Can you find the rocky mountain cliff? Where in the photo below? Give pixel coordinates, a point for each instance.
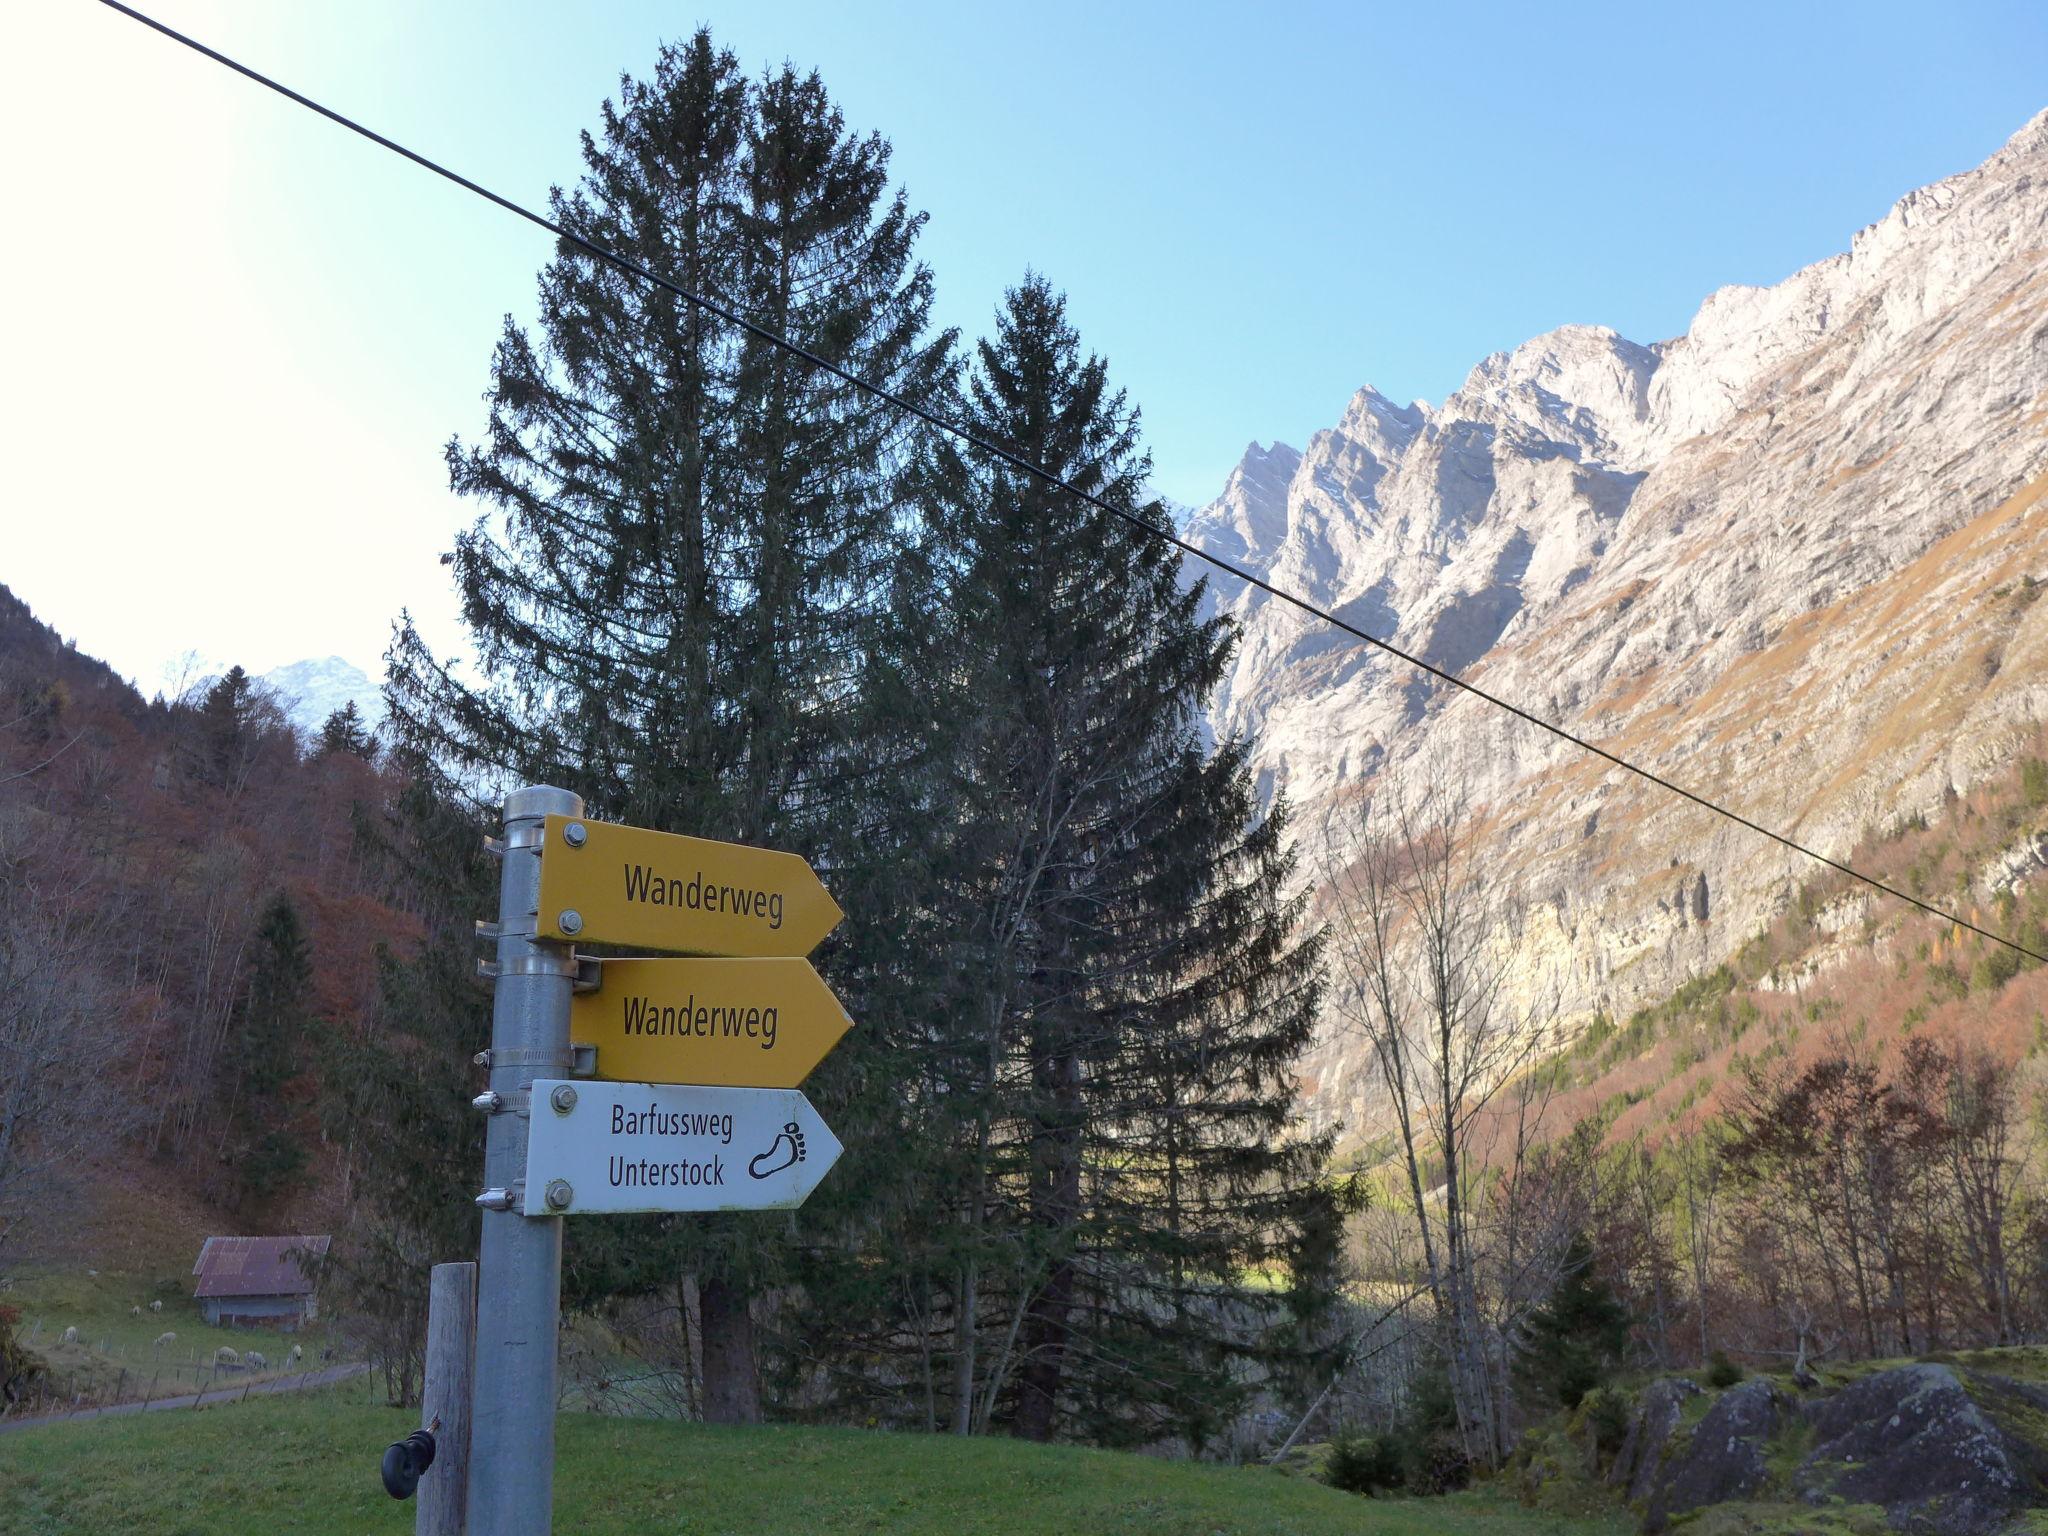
(1787, 560)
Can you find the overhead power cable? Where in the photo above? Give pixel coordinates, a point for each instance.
(1045, 476)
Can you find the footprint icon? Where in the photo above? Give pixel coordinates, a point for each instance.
(788, 1149)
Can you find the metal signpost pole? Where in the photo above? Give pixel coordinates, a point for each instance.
(512, 1435)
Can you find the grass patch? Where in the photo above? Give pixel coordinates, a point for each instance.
(1755, 1519)
(309, 1464)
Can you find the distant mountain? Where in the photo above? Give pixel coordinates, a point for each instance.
(310, 691)
(1787, 559)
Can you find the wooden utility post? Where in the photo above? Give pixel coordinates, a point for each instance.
(444, 1399)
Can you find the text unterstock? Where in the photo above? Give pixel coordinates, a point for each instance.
(662, 1126)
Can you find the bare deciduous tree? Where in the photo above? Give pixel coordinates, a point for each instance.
(1421, 973)
(60, 1028)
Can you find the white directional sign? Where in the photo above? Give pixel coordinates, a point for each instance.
(605, 1148)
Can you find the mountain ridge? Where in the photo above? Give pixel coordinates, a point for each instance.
(1646, 544)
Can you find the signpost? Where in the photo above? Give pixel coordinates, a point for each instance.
(602, 883)
(737, 1034)
(737, 1023)
(609, 1148)
(519, 1260)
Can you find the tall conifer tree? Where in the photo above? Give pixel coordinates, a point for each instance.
(688, 534)
(1134, 985)
(274, 1036)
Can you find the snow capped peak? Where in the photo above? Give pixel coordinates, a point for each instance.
(312, 690)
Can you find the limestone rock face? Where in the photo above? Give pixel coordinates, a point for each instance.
(1782, 560)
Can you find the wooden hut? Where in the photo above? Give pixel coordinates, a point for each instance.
(258, 1282)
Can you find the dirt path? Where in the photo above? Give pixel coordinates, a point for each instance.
(305, 1380)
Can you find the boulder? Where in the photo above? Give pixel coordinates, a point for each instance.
(1724, 1459)
(1917, 1441)
(1641, 1456)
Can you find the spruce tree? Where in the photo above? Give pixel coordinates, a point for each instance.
(688, 535)
(236, 725)
(1133, 982)
(273, 1039)
(1576, 1339)
(343, 731)
(397, 1100)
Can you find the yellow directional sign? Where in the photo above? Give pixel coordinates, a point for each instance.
(725, 1023)
(602, 883)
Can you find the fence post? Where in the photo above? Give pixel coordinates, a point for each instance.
(444, 1399)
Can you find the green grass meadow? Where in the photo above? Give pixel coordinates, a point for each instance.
(308, 1462)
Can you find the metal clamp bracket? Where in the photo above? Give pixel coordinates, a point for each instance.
(543, 1060)
(526, 834)
(563, 964)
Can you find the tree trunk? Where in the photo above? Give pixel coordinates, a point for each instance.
(1056, 1205)
(1045, 1348)
(732, 1380)
(964, 1324)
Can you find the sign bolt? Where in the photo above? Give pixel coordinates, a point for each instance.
(575, 834)
(571, 920)
(559, 1194)
(489, 1103)
(564, 1100)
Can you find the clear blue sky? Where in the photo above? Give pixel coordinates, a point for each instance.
(245, 336)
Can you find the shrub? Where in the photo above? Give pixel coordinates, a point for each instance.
(2034, 781)
(1604, 1412)
(1722, 1373)
(1994, 969)
(1945, 982)
(1433, 1457)
(1364, 1463)
(21, 1373)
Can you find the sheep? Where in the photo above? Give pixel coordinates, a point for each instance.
(70, 1336)
(254, 1360)
(294, 1357)
(135, 1311)
(156, 1306)
(164, 1338)
(226, 1356)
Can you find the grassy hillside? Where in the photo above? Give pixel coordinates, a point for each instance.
(116, 1357)
(308, 1464)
